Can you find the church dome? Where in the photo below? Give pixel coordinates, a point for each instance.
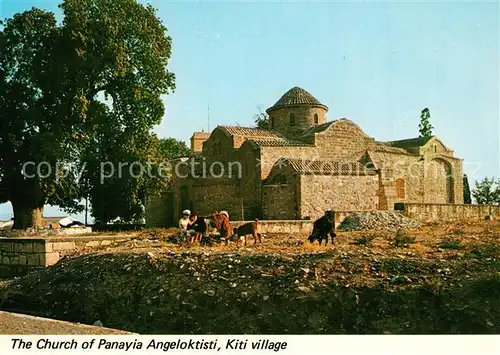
(296, 111)
(297, 97)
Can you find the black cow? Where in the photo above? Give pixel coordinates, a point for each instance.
(323, 227)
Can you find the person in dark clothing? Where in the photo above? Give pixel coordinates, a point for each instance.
(198, 226)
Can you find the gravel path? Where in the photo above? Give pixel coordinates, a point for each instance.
(13, 323)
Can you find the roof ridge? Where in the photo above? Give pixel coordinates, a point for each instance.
(246, 127)
(317, 129)
(280, 142)
(318, 166)
(251, 131)
(410, 139)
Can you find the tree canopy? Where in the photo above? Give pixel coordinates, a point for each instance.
(76, 95)
(425, 127)
(467, 194)
(487, 191)
(261, 119)
(172, 148)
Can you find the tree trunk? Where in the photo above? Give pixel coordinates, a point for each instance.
(27, 217)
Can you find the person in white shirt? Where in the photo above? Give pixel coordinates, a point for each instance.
(184, 221)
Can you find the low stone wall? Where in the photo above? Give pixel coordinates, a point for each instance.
(20, 255)
(281, 226)
(292, 226)
(427, 212)
(8, 233)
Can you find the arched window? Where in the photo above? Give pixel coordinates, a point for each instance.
(271, 122)
(292, 120)
(184, 198)
(400, 188)
(316, 119)
(279, 179)
(435, 148)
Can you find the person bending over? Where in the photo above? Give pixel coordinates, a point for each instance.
(197, 227)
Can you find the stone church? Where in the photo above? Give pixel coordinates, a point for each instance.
(303, 165)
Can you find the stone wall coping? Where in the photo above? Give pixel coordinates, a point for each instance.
(270, 221)
(52, 239)
(292, 221)
(448, 204)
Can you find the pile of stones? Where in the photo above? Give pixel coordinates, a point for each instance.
(377, 220)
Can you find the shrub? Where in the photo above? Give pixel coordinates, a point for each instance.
(365, 240)
(403, 240)
(450, 243)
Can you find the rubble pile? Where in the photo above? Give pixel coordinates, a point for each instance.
(377, 220)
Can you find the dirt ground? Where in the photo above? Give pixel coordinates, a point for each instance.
(437, 279)
(27, 325)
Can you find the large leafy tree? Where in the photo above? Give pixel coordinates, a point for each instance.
(144, 170)
(118, 190)
(78, 94)
(172, 148)
(487, 191)
(425, 127)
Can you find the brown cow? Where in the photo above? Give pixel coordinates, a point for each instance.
(249, 228)
(222, 225)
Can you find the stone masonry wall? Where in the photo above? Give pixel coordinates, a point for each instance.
(281, 194)
(197, 141)
(303, 116)
(425, 180)
(320, 193)
(44, 232)
(438, 182)
(343, 140)
(270, 155)
(304, 227)
(19, 255)
(449, 212)
(443, 180)
(219, 194)
(279, 202)
(398, 166)
(250, 186)
(219, 147)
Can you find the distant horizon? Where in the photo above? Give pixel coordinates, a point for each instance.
(48, 213)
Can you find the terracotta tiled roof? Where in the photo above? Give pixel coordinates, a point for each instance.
(251, 132)
(327, 167)
(410, 143)
(296, 96)
(280, 143)
(318, 129)
(200, 135)
(385, 148)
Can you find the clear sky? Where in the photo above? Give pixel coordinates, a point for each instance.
(376, 63)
